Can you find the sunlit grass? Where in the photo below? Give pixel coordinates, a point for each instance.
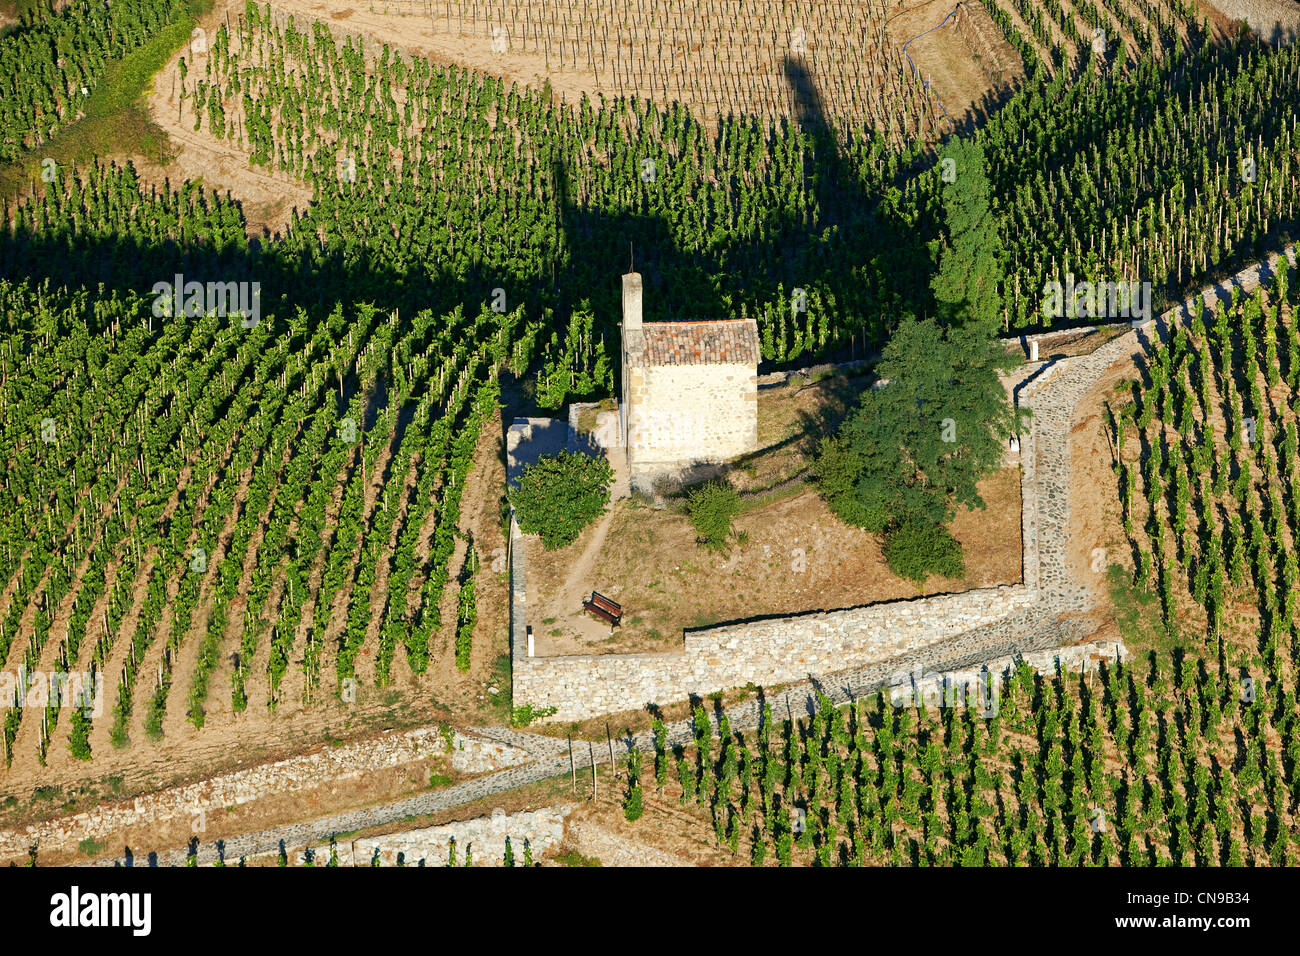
(116, 122)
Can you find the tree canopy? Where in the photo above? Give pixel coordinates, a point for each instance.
(919, 442)
(559, 495)
(968, 252)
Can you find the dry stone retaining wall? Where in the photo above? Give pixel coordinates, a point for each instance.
(485, 836)
(470, 755)
(959, 687)
(1021, 617)
(774, 651)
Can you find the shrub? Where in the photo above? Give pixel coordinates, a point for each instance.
(574, 858)
(559, 495)
(915, 550)
(712, 507)
(526, 714)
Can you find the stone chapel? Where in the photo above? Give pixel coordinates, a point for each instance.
(690, 392)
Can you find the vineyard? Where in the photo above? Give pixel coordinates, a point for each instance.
(1208, 452)
(1186, 755)
(173, 510)
(1151, 763)
(254, 513)
(720, 57)
(553, 180)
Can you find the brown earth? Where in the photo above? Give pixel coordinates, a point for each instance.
(795, 555)
(1096, 525)
(963, 59)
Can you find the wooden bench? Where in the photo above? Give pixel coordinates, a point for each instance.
(604, 608)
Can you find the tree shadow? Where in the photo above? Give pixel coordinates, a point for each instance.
(850, 247)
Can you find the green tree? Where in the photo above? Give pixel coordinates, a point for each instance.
(559, 495)
(712, 507)
(968, 253)
(918, 444)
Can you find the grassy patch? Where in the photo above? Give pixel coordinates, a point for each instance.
(1137, 612)
(527, 714)
(90, 847)
(437, 780)
(115, 121)
(574, 858)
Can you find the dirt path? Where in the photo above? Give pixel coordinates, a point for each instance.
(575, 585)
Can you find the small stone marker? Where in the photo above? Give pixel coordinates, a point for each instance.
(1033, 350)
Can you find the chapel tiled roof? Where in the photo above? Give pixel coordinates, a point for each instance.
(717, 342)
